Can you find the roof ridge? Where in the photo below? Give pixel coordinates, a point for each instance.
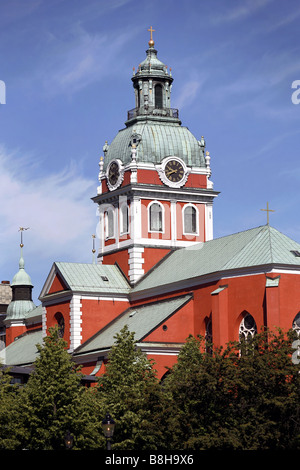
(270, 243)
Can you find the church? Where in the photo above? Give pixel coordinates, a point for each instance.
(158, 268)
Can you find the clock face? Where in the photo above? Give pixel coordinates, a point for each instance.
(113, 173)
(174, 171)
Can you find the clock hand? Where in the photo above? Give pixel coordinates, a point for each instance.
(170, 172)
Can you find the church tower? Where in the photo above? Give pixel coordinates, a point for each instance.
(155, 193)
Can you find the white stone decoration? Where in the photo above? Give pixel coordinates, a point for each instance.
(119, 181)
(161, 172)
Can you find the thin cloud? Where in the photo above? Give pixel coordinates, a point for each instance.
(56, 208)
(244, 10)
(188, 93)
(79, 59)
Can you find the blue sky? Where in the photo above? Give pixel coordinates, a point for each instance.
(67, 67)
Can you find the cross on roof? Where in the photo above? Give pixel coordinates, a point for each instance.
(151, 42)
(267, 210)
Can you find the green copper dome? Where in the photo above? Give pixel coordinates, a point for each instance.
(21, 302)
(18, 309)
(21, 278)
(155, 141)
(153, 126)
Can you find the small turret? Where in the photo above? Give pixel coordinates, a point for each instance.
(22, 287)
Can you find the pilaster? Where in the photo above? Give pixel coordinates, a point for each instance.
(75, 322)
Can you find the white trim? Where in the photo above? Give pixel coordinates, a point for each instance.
(149, 242)
(135, 219)
(75, 322)
(173, 221)
(106, 223)
(162, 215)
(44, 321)
(209, 235)
(99, 298)
(119, 181)
(196, 233)
(121, 218)
(135, 262)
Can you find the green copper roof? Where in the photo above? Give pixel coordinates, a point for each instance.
(18, 309)
(95, 278)
(155, 124)
(158, 140)
(23, 351)
(252, 248)
(140, 320)
(21, 278)
(152, 66)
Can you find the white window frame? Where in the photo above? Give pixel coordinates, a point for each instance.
(121, 218)
(108, 211)
(247, 332)
(162, 215)
(196, 233)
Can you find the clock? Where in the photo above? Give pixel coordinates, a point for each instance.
(174, 171)
(114, 175)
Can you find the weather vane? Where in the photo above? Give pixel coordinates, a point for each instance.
(267, 210)
(21, 229)
(93, 250)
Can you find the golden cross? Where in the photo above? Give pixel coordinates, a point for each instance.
(151, 31)
(267, 210)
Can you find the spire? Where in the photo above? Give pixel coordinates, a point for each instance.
(152, 84)
(22, 286)
(21, 278)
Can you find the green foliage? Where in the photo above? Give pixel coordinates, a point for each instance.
(54, 402)
(130, 392)
(244, 397)
(11, 425)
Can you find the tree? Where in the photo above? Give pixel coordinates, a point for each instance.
(201, 390)
(55, 402)
(130, 392)
(246, 396)
(268, 393)
(11, 426)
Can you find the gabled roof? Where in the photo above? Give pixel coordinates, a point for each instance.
(23, 351)
(256, 247)
(89, 278)
(141, 320)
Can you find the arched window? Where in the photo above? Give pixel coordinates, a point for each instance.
(248, 328)
(190, 220)
(208, 337)
(109, 223)
(296, 324)
(155, 217)
(61, 324)
(158, 96)
(124, 218)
